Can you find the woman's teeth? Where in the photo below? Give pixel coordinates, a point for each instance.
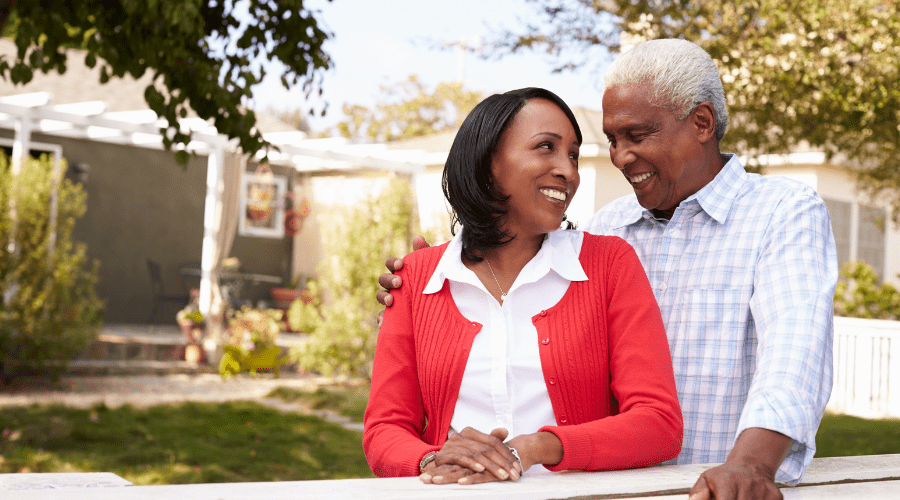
(556, 195)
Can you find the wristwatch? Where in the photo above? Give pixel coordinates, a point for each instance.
(427, 459)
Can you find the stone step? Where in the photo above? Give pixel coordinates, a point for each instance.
(136, 367)
(145, 349)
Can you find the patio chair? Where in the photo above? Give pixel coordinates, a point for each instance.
(159, 296)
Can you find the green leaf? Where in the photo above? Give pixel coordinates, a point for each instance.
(182, 157)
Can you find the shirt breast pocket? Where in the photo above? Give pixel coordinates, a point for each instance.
(713, 331)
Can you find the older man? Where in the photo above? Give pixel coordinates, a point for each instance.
(743, 268)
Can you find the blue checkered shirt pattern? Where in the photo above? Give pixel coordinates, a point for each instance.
(744, 274)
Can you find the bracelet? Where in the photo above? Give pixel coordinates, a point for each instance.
(516, 454)
(427, 459)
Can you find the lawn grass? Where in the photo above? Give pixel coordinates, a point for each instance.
(243, 441)
(838, 436)
(844, 436)
(349, 401)
(189, 443)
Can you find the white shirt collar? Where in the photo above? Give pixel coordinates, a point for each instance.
(558, 253)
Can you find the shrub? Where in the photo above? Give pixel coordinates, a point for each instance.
(302, 315)
(859, 295)
(49, 311)
(361, 239)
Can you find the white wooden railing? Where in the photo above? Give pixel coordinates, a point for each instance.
(866, 368)
(839, 478)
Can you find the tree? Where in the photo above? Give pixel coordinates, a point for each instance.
(407, 109)
(49, 310)
(204, 54)
(802, 71)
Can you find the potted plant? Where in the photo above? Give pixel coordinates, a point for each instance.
(192, 324)
(286, 296)
(259, 202)
(251, 342)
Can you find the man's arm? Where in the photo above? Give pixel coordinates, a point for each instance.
(792, 312)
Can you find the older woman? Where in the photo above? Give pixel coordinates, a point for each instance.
(517, 346)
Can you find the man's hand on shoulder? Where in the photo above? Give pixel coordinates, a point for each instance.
(749, 471)
(390, 281)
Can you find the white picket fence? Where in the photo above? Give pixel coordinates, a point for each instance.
(866, 368)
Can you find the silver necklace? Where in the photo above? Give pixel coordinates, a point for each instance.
(502, 293)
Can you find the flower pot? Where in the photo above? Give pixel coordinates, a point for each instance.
(193, 332)
(288, 295)
(260, 212)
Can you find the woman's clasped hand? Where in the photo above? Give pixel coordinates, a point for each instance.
(471, 457)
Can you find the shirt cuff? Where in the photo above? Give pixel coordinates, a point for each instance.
(778, 411)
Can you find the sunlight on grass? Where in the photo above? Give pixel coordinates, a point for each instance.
(844, 436)
(189, 443)
(349, 401)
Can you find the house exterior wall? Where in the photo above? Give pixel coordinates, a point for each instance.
(856, 219)
(610, 184)
(328, 194)
(142, 205)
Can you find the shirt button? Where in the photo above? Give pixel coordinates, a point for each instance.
(552, 381)
(543, 313)
(673, 232)
(545, 341)
(662, 286)
(563, 419)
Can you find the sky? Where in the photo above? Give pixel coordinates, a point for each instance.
(379, 42)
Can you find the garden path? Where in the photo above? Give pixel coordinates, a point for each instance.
(150, 390)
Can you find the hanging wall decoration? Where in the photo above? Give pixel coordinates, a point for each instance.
(262, 209)
(261, 195)
(294, 216)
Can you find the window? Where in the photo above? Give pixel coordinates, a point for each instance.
(841, 213)
(35, 149)
(871, 237)
(859, 233)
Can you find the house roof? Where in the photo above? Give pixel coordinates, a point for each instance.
(79, 83)
(594, 142)
(82, 84)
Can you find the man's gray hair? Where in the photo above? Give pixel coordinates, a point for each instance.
(680, 74)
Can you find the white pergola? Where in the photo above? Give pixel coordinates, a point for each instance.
(34, 113)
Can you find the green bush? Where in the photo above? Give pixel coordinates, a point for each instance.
(304, 316)
(859, 295)
(49, 310)
(357, 245)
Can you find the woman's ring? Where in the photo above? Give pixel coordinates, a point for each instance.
(516, 454)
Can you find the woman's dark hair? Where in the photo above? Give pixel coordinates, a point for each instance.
(467, 179)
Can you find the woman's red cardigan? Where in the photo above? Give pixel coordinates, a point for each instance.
(604, 355)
